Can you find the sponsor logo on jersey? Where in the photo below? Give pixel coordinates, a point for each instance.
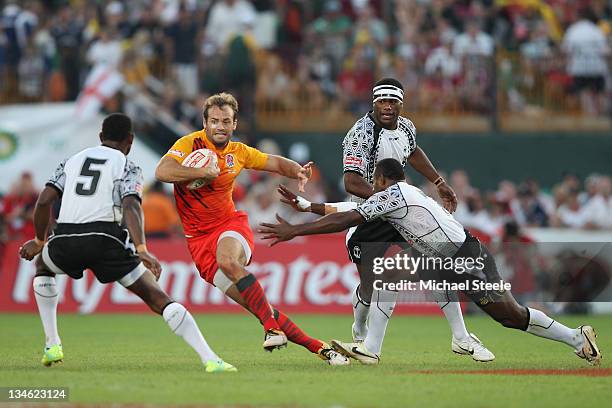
(229, 160)
(176, 152)
(352, 161)
(8, 144)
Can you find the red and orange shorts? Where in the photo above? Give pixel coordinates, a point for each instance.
(203, 248)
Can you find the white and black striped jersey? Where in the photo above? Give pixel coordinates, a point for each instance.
(366, 144)
(423, 223)
(93, 183)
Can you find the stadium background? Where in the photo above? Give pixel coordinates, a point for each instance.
(492, 86)
(493, 93)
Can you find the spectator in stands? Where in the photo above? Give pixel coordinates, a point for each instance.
(442, 73)
(137, 59)
(473, 42)
(67, 31)
(586, 48)
(275, 89)
(291, 29)
(591, 185)
(442, 59)
(530, 211)
(460, 182)
(370, 26)
(239, 73)
(544, 199)
(539, 45)
(316, 77)
(18, 207)
(228, 18)
(9, 38)
(569, 214)
(168, 10)
(355, 83)
(477, 217)
(475, 49)
(116, 20)
(161, 219)
(506, 198)
(106, 50)
(331, 33)
(520, 262)
(598, 210)
(31, 72)
(183, 39)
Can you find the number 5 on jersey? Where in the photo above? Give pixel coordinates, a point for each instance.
(94, 175)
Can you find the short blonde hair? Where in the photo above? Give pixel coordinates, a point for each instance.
(220, 100)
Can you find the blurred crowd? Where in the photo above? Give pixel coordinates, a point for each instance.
(491, 215)
(571, 203)
(452, 56)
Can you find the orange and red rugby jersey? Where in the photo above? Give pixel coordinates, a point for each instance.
(208, 207)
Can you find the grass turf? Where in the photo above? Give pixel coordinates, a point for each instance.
(135, 359)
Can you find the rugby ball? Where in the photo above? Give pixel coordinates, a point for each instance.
(200, 158)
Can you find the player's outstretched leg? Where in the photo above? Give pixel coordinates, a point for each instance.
(180, 321)
(231, 259)
(512, 315)
(46, 294)
(294, 334)
(462, 342)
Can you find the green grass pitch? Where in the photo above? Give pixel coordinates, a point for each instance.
(135, 359)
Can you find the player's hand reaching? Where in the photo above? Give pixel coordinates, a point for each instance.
(448, 196)
(282, 231)
(30, 249)
(150, 261)
(296, 202)
(304, 175)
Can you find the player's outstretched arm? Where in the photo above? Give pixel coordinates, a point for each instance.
(42, 215)
(283, 231)
(171, 171)
(134, 220)
(421, 163)
(288, 168)
(302, 205)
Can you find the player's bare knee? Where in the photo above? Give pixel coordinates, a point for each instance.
(231, 268)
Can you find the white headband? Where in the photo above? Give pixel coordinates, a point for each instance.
(388, 92)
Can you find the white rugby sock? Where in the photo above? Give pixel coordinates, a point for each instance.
(543, 326)
(360, 314)
(381, 309)
(452, 311)
(45, 292)
(182, 323)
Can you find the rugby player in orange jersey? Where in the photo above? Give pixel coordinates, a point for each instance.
(218, 237)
